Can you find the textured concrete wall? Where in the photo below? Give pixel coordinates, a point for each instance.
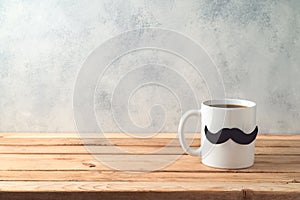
(43, 44)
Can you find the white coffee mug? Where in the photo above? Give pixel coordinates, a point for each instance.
(228, 130)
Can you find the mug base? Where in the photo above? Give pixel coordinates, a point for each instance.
(227, 167)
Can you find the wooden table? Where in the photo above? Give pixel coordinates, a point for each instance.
(58, 166)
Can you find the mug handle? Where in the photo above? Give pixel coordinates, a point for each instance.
(184, 145)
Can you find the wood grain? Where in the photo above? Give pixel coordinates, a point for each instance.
(173, 150)
(188, 163)
(58, 166)
(165, 186)
(99, 175)
(59, 140)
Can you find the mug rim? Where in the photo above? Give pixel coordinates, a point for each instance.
(242, 102)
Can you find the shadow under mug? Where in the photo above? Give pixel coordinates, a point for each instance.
(228, 133)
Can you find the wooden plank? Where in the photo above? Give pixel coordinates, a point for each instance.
(165, 186)
(128, 142)
(53, 166)
(90, 135)
(277, 143)
(280, 137)
(84, 195)
(263, 163)
(97, 175)
(174, 150)
(227, 195)
(96, 150)
(142, 195)
(277, 150)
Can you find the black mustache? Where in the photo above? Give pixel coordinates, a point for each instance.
(235, 134)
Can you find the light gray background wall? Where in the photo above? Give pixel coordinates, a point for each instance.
(255, 44)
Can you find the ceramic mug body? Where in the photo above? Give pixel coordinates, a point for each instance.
(227, 134)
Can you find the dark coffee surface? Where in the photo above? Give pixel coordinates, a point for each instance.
(228, 106)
